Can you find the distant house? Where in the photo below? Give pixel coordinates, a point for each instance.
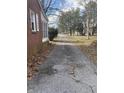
(37, 26)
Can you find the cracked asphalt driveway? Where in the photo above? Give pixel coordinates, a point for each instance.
(67, 70)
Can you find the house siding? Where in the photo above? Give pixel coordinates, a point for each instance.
(34, 39)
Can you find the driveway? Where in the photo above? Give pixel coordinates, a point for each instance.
(67, 70)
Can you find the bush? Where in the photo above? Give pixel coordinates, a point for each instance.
(52, 33)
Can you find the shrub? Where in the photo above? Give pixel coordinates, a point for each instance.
(52, 33)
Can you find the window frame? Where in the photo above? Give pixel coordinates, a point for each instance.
(33, 20)
(37, 21)
(44, 29)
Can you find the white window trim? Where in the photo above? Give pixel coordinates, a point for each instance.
(37, 21)
(32, 19)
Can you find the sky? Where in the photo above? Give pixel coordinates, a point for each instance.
(64, 6)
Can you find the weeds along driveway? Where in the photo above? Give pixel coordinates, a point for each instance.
(66, 70)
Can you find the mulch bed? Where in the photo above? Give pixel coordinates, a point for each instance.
(34, 62)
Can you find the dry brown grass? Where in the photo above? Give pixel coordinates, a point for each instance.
(90, 51)
(78, 40)
(89, 48)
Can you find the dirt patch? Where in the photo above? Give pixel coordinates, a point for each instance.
(90, 51)
(36, 60)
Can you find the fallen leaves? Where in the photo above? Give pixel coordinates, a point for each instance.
(36, 60)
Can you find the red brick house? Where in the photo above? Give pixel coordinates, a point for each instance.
(37, 26)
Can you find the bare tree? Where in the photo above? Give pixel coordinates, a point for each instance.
(48, 5)
(88, 5)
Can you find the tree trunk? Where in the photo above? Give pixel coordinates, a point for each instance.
(87, 29)
(70, 32)
(73, 32)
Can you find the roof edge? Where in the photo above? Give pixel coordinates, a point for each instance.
(42, 10)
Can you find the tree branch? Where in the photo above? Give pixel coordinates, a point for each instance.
(48, 6)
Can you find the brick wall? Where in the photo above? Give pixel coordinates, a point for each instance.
(34, 39)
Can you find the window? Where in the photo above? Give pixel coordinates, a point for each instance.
(44, 28)
(45, 31)
(37, 22)
(32, 18)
